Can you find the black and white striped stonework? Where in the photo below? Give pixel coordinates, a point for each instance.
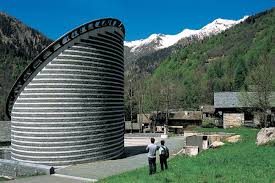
(71, 110)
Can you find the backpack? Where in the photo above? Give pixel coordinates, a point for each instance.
(165, 152)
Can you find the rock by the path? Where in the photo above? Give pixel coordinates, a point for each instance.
(8, 177)
(216, 144)
(191, 150)
(265, 135)
(233, 139)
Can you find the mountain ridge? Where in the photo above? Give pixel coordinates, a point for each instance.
(165, 41)
(144, 56)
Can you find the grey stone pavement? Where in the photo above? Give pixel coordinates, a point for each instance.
(135, 157)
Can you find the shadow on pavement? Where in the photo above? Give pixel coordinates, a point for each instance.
(133, 150)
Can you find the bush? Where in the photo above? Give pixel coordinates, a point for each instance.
(208, 123)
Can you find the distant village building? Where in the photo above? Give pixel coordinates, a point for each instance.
(144, 121)
(177, 121)
(132, 127)
(208, 111)
(235, 113)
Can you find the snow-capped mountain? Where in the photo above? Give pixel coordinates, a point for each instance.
(160, 41)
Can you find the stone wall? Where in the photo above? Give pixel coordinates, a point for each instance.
(128, 126)
(5, 132)
(233, 120)
(17, 169)
(257, 119)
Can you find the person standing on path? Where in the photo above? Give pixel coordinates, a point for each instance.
(163, 155)
(152, 148)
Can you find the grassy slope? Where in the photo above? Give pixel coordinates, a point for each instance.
(240, 162)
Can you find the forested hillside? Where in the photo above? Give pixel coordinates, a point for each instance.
(189, 77)
(19, 44)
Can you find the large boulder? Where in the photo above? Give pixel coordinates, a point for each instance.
(233, 139)
(265, 135)
(216, 144)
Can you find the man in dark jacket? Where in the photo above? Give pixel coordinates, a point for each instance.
(163, 155)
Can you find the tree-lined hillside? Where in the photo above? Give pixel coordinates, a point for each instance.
(220, 63)
(19, 44)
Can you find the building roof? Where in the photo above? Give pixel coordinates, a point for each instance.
(186, 115)
(207, 109)
(233, 100)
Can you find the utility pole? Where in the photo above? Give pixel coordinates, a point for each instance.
(167, 112)
(140, 111)
(131, 110)
(165, 134)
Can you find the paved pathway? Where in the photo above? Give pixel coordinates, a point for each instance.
(135, 158)
(46, 179)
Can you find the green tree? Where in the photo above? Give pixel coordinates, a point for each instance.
(240, 74)
(260, 93)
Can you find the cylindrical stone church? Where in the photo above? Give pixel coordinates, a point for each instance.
(67, 106)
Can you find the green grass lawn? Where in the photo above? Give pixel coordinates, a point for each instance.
(3, 179)
(240, 162)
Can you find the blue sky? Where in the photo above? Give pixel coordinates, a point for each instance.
(140, 17)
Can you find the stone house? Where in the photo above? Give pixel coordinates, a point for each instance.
(181, 119)
(144, 121)
(234, 112)
(208, 111)
(129, 127)
(177, 120)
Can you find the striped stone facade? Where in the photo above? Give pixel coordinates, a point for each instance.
(71, 110)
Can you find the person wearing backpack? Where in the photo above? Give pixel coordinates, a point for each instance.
(163, 155)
